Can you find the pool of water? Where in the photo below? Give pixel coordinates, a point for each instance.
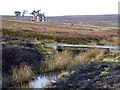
(43, 81)
(54, 46)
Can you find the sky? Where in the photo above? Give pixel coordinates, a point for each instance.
(60, 7)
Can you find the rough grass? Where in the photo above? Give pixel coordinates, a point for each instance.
(22, 73)
(91, 54)
(103, 72)
(84, 39)
(66, 59)
(68, 38)
(27, 34)
(57, 61)
(113, 41)
(61, 60)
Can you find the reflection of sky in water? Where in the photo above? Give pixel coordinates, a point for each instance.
(54, 46)
(42, 81)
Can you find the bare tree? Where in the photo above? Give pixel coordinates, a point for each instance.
(24, 12)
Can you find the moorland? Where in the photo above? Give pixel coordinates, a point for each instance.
(25, 55)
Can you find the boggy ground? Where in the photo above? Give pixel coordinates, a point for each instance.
(93, 76)
(15, 52)
(62, 33)
(24, 42)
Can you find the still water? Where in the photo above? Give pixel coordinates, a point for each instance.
(43, 81)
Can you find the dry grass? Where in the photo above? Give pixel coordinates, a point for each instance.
(92, 43)
(65, 59)
(58, 60)
(91, 54)
(78, 58)
(101, 55)
(22, 73)
(113, 41)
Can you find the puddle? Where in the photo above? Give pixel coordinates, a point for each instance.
(42, 81)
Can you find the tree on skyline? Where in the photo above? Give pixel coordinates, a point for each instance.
(24, 12)
(17, 13)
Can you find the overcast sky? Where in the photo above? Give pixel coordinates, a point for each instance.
(60, 7)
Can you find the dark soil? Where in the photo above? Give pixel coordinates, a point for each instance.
(15, 52)
(90, 77)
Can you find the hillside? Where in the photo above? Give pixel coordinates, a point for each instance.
(98, 20)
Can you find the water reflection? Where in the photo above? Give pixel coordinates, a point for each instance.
(42, 81)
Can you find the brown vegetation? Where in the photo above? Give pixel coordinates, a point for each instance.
(66, 60)
(53, 28)
(22, 73)
(46, 33)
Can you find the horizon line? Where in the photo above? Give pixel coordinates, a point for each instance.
(68, 15)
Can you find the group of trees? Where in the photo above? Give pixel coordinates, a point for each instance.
(18, 13)
(37, 15)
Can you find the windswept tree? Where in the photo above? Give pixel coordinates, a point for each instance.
(17, 13)
(38, 12)
(33, 13)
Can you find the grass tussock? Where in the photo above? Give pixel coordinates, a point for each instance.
(22, 73)
(65, 59)
(58, 60)
(92, 54)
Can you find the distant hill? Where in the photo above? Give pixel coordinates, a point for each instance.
(98, 20)
(8, 17)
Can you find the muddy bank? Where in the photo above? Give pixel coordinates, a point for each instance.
(93, 76)
(16, 51)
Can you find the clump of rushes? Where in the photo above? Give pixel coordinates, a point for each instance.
(22, 73)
